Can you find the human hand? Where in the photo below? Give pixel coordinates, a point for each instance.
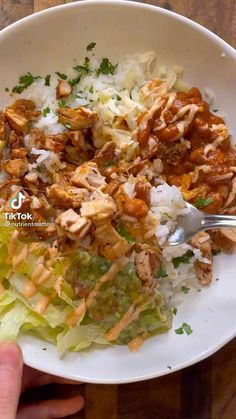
(13, 380)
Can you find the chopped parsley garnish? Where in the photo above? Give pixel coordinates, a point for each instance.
(118, 98)
(61, 103)
(187, 328)
(179, 331)
(182, 259)
(61, 75)
(184, 328)
(161, 273)
(74, 81)
(25, 81)
(45, 111)
(175, 311)
(90, 46)
(106, 67)
(185, 290)
(203, 202)
(83, 69)
(124, 233)
(91, 89)
(215, 110)
(6, 89)
(47, 80)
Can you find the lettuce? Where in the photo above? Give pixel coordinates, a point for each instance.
(80, 337)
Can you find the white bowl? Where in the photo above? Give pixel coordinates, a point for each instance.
(50, 40)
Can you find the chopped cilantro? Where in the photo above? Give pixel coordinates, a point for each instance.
(61, 75)
(184, 328)
(203, 202)
(124, 233)
(90, 46)
(187, 328)
(91, 89)
(182, 259)
(179, 331)
(118, 98)
(83, 69)
(161, 273)
(61, 103)
(215, 110)
(25, 81)
(47, 80)
(74, 81)
(45, 111)
(6, 89)
(175, 311)
(106, 67)
(185, 290)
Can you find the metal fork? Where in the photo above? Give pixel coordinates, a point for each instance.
(196, 221)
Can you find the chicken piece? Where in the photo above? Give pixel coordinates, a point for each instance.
(112, 187)
(18, 153)
(147, 263)
(143, 191)
(110, 244)
(202, 241)
(63, 89)
(135, 167)
(67, 196)
(99, 207)
(15, 141)
(106, 155)
(88, 176)
(73, 225)
(56, 142)
(37, 139)
(225, 239)
(20, 114)
(2, 127)
(78, 118)
(175, 153)
(5, 188)
(15, 167)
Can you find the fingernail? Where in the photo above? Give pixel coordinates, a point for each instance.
(10, 355)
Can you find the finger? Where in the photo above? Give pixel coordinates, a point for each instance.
(11, 365)
(51, 409)
(34, 378)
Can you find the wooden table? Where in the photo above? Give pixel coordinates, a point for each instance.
(206, 390)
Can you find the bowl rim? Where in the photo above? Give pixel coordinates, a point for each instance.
(226, 48)
(123, 3)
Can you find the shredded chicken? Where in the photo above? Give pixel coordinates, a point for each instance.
(107, 154)
(2, 127)
(67, 196)
(147, 264)
(110, 243)
(73, 225)
(202, 241)
(63, 89)
(20, 114)
(99, 207)
(88, 176)
(56, 142)
(18, 153)
(76, 118)
(225, 239)
(15, 167)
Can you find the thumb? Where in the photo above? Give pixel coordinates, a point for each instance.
(11, 365)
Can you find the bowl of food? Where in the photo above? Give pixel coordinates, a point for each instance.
(107, 128)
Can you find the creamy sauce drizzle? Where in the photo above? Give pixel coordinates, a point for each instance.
(30, 289)
(77, 314)
(13, 243)
(42, 304)
(40, 274)
(135, 344)
(131, 315)
(19, 259)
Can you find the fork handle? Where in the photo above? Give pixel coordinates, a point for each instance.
(218, 221)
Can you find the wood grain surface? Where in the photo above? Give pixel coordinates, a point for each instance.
(206, 390)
